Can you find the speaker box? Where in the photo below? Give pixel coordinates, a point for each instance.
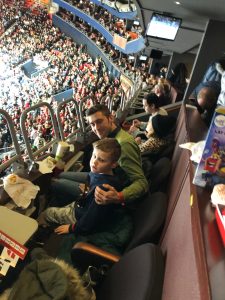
(157, 54)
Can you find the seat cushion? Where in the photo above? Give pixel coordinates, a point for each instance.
(137, 276)
(148, 219)
(159, 174)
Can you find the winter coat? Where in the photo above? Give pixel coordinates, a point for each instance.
(114, 239)
(47, 278)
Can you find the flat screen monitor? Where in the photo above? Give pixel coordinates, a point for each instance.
(143, 57)
(163, 27)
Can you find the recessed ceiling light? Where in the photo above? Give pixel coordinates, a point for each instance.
(177, 2)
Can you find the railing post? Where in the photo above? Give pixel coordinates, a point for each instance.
(60, 106)
(82, 114)
(25, 134)
(18, 156)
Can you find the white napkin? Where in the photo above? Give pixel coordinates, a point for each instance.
(47, 165)
(196, 150)
(21, 190)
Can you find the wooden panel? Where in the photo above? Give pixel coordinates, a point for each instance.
(176, 182)
(209, 249)
(180, 162)
(181, 277)
(186, 241)
(198, 241)
(181, 138)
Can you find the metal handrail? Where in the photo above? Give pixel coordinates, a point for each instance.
(18, 156)
(23, 117)
(61, 131)
(125, 99)
(108, 103)
(122, 100)
(111, 102)
(102, 101)
(168, 108)
(84, 129)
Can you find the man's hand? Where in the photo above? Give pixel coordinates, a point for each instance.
(62, 229)
(138, 140)
(136, 123)
(82, 187)
(106, 197)
(132, 129)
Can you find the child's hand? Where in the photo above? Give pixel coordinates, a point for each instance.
(82, 187)
(62, 229)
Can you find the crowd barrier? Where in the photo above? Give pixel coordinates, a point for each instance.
(31, 69)
(65, 95)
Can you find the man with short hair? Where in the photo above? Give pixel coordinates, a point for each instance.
(102, 124)
(206, 103)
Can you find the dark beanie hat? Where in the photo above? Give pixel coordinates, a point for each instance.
(163, 125)
(152, 98)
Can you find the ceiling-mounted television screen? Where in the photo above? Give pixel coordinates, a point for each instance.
(163, 27)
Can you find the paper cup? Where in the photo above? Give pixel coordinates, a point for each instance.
(62, 149)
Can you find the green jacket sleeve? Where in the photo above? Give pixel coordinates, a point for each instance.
(130, 161)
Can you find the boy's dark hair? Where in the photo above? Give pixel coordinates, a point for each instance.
(98, 108)
(109, 145)
(152, 98)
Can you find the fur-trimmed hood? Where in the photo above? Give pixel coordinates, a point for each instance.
(47, 278)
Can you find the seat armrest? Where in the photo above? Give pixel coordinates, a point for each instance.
(84, 255)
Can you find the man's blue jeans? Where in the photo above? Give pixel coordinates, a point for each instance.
(65, 189)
